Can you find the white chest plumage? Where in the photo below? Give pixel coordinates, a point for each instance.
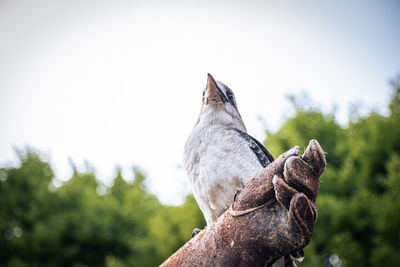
(218, 161)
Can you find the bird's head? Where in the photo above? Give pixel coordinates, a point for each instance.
(219, 106)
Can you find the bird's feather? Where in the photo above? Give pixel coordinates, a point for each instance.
(262, 154)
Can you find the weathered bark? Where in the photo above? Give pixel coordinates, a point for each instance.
(273, 216)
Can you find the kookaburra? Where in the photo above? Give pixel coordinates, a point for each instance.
(219, 155)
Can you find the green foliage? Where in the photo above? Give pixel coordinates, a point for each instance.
(359, 198)
(76, 224)
(83, 222)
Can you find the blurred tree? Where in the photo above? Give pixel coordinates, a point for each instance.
(24, 202)
(80, 224)
(359, 192)
(181, 222)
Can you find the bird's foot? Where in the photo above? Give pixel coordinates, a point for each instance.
(297, 255)
(195, 231)
(238, 190)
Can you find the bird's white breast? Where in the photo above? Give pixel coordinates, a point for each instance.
(217, 161)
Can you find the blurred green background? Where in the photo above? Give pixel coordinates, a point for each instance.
(84, 223)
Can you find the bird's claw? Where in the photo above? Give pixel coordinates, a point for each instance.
(297, 255)
(195, 231)
(238, 190)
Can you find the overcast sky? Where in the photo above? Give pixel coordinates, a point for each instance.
(120, 82)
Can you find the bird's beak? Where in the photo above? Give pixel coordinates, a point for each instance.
(214, 93)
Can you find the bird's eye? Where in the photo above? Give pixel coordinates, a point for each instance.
(229, 95)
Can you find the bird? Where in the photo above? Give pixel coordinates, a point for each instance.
(220, 157)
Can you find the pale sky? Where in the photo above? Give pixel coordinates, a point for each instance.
(120, 82)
